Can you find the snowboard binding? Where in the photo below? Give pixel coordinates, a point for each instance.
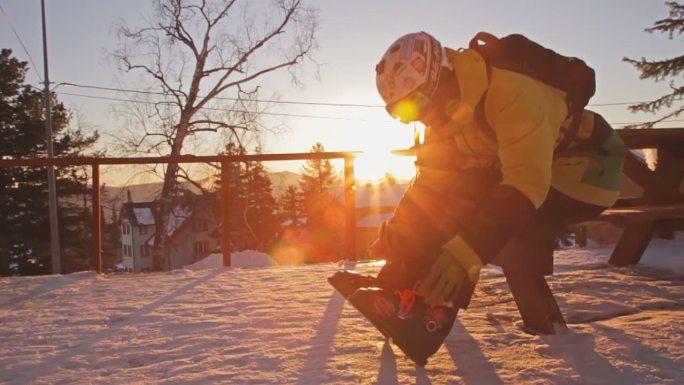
(416, 327)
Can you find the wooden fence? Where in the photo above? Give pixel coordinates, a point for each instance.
(224, 161)
(662, 185)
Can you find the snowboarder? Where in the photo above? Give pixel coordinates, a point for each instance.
(509, 159)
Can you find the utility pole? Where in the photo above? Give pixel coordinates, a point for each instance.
(52, 189)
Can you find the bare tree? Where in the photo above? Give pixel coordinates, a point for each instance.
(203, 61)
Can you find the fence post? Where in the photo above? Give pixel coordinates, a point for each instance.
(350, 207)
(96, 262)
(225, 212)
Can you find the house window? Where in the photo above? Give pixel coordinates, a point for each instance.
(144, 251)
(200, 247)
(142, 229)
(200, 226)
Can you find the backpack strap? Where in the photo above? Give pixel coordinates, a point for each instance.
(570, 132)
(481, 118)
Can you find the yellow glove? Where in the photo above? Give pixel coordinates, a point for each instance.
(443, 280)
(457, 264)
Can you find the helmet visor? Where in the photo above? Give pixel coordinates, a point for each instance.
(410, 108)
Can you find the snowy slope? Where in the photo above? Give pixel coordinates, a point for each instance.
(285, 325)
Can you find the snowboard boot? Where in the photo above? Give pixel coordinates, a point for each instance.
(418, 329)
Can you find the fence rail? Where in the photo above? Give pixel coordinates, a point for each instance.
(662, 138)
(224, 160)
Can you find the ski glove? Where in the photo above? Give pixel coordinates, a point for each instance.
(457, 265)
(443, 280)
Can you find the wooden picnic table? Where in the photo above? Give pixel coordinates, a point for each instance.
(661, 206)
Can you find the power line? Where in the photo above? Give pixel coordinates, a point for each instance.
(273, 113)
(23, 46)
(284, 114)
(326, 104)
(648, 121)
(226, 98)
(614, 104)
(205, 108)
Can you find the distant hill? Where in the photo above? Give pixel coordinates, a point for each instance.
(115, 196)
(281, 180)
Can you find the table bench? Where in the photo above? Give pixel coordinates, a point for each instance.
(660, 209)
(640, 224)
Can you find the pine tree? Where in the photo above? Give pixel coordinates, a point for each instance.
(291, 205)
(317, 174)
(660, 70)
(252, 205)
(236, 197)
(24, 221)
(260, 210)
(324, 214)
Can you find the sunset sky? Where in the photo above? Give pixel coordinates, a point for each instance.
(352, 37)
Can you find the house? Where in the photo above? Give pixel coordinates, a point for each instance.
(192, 230)
(374, 204)
(137, 225)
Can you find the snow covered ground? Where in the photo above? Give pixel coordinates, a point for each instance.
(285, 325)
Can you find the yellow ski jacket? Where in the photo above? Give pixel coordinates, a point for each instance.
(526, 121)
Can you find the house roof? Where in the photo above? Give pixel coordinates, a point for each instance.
(373, 220)
(296, 222)
(177, 217)
(139, 213)
(143, 215)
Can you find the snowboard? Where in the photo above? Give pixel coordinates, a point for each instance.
(417, 328)
(346, 282)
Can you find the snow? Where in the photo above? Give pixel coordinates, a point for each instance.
(246, 258)
(286, 325)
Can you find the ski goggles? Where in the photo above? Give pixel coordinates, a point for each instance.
(410, 108)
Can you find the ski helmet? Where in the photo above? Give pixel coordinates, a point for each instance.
(408, 74)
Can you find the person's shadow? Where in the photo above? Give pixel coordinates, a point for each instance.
(635, 349)
(387, 375)
(322, 342)
(473, 366)
(578, 351)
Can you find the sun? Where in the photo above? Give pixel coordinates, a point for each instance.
(378, 160)
(376, 165)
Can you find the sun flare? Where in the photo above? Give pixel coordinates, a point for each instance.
(374, 166)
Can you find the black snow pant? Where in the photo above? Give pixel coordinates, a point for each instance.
(525, 259)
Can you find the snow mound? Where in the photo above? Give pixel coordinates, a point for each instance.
(246, 258)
